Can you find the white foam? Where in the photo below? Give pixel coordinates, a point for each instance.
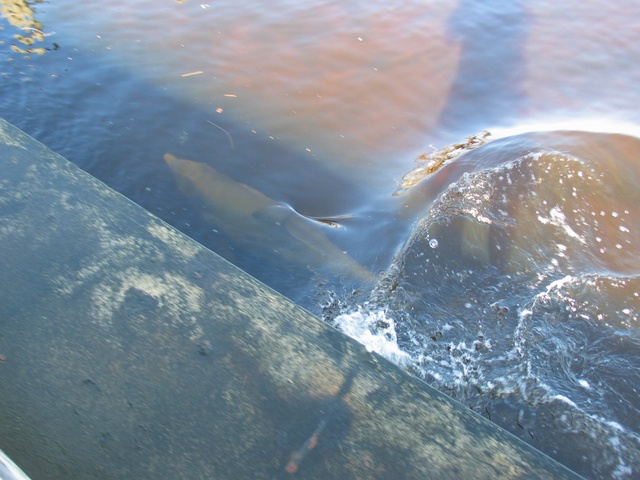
(564, 399)
(558, 284)
(375, 331)
(584, 384)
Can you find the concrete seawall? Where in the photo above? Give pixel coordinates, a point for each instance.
(130, 351)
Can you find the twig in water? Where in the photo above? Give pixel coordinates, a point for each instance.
(227, 133)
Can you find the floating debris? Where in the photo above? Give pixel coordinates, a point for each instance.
(430, 163)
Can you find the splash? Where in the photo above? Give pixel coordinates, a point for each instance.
(527, 310)
(376, 331)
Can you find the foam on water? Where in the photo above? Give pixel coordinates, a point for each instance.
(376, 331)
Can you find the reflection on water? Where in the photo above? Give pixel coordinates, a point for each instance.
(486, 89)
(346, 84)
(22, 15)
(321, 106)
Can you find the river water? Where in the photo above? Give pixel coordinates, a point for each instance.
(506, 268)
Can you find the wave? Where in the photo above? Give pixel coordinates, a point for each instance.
(518, 293)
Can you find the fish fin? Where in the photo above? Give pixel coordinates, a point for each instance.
(330, 221)
(308, 232)
(296, 225)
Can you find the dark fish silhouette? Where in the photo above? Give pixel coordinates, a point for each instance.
(244, 213)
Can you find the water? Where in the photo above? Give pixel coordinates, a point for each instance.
(508, 276)
(518, 294)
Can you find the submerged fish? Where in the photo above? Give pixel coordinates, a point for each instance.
(252, 217)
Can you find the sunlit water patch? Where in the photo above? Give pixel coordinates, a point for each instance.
(518, 293)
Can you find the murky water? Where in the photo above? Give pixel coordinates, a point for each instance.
(508, 276)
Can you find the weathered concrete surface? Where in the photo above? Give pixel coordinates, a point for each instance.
(130, 351)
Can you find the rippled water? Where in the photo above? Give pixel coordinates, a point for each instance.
(518, 294)
(508, 275)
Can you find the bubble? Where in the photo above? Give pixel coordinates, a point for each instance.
(433, 243)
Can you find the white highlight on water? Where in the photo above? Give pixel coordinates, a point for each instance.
(375, 331)
(596, 125)
(558, 219)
